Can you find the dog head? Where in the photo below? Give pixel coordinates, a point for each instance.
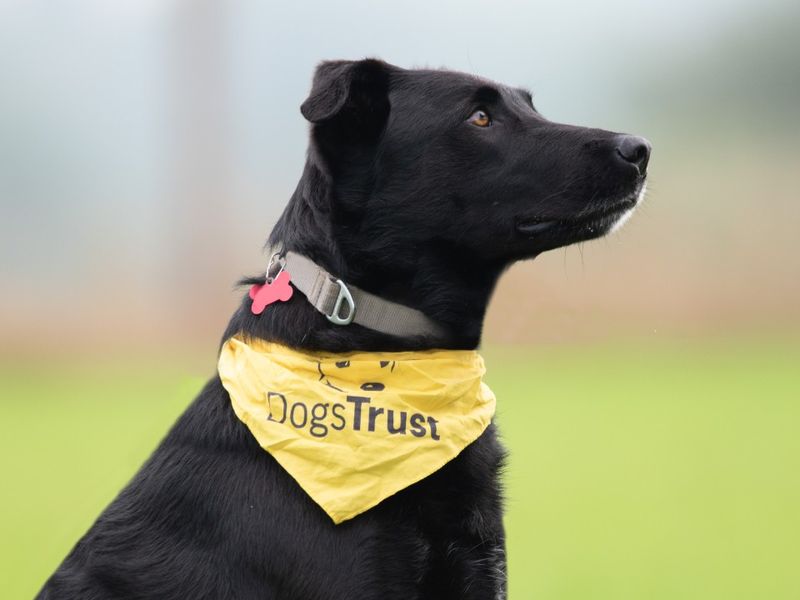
(422, 159)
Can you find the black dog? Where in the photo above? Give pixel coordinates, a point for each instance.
(421, 186)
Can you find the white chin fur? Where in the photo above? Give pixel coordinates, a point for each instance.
(623, 218)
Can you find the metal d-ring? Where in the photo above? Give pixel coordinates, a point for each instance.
(344, 296)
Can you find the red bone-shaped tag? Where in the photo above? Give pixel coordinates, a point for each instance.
(265, 294)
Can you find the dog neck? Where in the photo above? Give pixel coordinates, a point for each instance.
(445, 285)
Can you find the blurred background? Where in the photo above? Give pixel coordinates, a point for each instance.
(648, 383)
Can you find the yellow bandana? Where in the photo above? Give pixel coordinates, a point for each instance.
(353, 429)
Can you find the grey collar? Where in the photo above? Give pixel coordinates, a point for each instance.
(343, 303)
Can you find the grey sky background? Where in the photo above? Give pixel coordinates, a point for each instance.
(89, 145)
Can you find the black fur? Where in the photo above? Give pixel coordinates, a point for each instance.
(404, 197)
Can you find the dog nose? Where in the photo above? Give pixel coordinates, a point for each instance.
(635, 150)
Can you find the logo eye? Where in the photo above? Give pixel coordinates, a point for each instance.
(480, 118)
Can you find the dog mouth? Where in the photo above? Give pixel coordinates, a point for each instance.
(597, 222)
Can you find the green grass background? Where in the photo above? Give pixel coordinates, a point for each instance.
(636, 471)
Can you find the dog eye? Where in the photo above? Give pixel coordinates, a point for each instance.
(480, 118)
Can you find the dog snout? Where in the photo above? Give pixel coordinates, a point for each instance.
(635, 151)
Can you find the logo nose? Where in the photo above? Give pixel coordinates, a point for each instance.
(634, 150)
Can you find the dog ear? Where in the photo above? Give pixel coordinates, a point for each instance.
(342, 90)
